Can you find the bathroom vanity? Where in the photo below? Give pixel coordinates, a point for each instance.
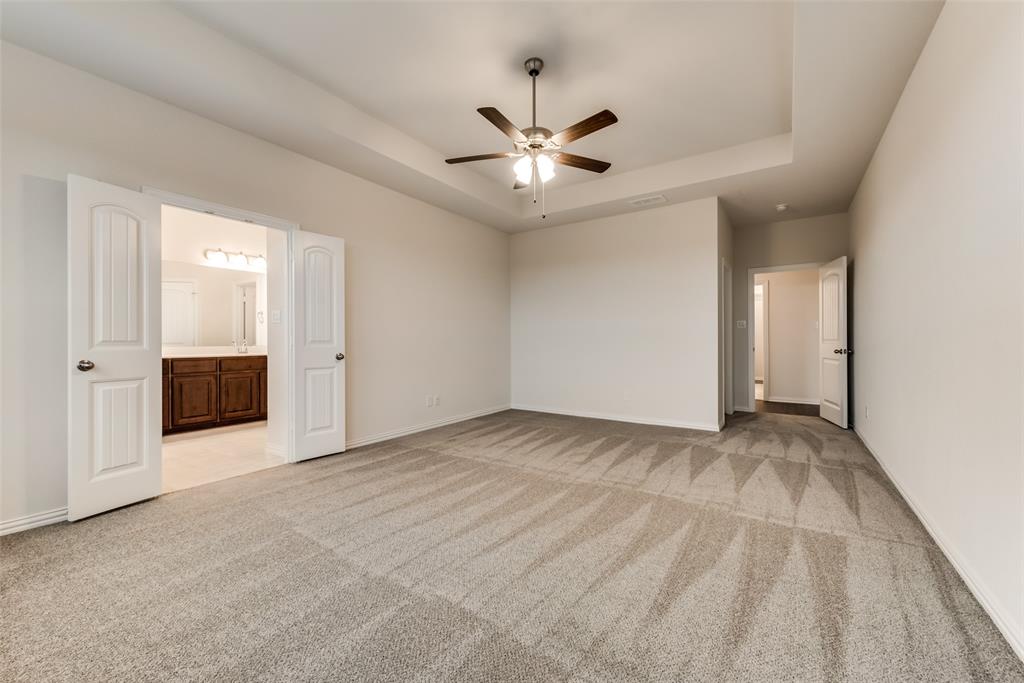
(204, 388)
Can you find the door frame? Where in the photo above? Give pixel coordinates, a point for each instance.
(238, 309)
(263, 220)
(751, 272)
(766, 351)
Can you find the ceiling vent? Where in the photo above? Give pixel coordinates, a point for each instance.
(648, 201)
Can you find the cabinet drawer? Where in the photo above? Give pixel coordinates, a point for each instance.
(240, 364)
(193, 366)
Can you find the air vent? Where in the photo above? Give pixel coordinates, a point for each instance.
(648, 201)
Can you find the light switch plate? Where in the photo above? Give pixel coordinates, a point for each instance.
(741, 324)
(275, 317)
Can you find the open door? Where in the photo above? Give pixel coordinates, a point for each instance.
(318, 411)
(833, 356)
(113, 346)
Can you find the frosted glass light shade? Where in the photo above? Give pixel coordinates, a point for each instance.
(545, 167)
(216, 257)
(524, 170)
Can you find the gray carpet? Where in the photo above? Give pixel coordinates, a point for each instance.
(515, 547)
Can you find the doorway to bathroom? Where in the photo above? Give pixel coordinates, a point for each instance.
(218, 295)
(119, 377)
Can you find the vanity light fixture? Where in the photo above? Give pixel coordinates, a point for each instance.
(218, 258)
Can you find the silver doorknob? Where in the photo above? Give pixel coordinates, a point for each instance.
(837, 350)
(339, 356)
(86, 365)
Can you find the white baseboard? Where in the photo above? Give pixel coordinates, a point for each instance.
(788, 399)
(960, 564)
(406, 431)
(710, 427)
(13, 526)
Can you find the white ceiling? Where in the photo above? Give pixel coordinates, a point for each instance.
(754, 102)
(663, 68)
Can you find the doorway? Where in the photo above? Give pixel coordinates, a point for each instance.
(784, 335)
(216, 355)
(118, 376)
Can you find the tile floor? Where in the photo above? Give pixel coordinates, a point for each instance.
(195, 458)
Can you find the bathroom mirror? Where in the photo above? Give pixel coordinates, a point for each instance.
(205, 306)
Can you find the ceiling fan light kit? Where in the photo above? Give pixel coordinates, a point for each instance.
(536, 147)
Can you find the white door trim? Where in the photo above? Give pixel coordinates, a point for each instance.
(234, 213)
(186, 202)
(751, 272)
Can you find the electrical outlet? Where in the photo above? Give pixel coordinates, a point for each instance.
(430, 401)
(437, 400)
(867, 413)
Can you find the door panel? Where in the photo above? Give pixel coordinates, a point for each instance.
(833, 356)
(319, 373)
(113, 346)
(178, 313)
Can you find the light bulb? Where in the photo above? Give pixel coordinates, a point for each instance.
(238, 260)
(216, 257)
(258, 262)
(545, 167)
(524, 170)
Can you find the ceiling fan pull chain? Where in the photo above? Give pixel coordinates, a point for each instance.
(543, 207)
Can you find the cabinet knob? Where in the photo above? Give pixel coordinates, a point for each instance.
(85, 365)
(339, 356)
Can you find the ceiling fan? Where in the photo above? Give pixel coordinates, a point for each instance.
(537, 148)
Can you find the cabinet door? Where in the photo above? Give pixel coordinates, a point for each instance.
(239, 395)
(165, 397)
(193, 400)
(263, 393)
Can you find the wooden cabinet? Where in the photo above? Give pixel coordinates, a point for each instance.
(239, 394)
(212, 392)
(193, 400)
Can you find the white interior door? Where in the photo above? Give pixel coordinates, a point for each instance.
(178, 313)
(114, 347)
(318, 419)
(833, 356)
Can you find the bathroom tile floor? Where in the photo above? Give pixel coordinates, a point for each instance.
(201, 457)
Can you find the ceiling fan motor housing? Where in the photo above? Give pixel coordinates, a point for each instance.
(533, 66)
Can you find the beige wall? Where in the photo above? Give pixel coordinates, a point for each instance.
(938, 320)
(806, 240)
(792, 324)
(617, 317)
(427, 292)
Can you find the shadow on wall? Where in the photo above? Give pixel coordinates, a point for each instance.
(34, 430)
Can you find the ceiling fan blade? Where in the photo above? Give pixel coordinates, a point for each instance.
(481, 157)
(587, 126)
(503, 124)
(518, 185)
(576, 161)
